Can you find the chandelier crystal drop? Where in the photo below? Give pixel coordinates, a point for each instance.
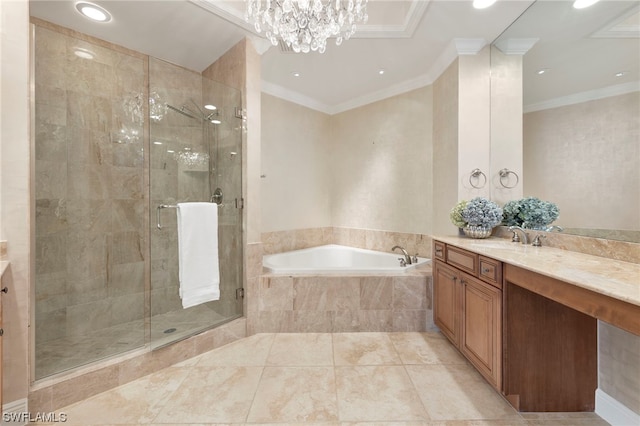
(305, 25)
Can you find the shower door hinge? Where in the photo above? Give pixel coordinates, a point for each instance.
(239, 293)
(239, 203)
(241, 112)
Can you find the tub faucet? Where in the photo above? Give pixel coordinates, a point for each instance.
(516, 238)
(407, 258)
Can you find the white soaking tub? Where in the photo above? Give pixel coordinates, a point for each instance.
(335, 258)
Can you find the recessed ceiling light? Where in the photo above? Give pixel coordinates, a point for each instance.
(581, 4)
(93, 11)
(170, 151)
(157, 143)
(542, 71)
(216, 121)
(381, 71)
(621, 73)
(210, 107)
(295, 74)
(482, 4)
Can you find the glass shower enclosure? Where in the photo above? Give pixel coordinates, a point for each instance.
(195, 157)
(115, 135)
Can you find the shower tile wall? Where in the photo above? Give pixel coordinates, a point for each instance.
(90, 202)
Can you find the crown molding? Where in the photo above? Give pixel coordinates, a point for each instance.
(591, 95)
(295, 97)
(440, 65)
(469, 46)
(306, 101)
(515, 46)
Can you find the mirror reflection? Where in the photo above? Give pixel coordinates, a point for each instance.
(581, 124)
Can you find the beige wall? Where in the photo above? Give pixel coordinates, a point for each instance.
(381, 164)
(445, 148)
(295, 187)
(474, 121)
(584, 157)
(370, 167)
(506, 126)
(15, 199)
(619, 365)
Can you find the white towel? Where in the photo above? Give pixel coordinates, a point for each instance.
(198, 264)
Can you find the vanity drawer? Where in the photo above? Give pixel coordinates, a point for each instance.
(491, 271)
(438, 250)
(463, 260)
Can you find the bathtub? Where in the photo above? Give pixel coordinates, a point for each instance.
(335, 258)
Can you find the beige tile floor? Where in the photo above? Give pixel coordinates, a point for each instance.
(316, 378)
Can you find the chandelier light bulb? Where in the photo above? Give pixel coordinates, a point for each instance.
(305, 25)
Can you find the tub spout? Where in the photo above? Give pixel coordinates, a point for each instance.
(407, 258)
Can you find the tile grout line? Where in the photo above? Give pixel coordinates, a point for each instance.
(264, 366)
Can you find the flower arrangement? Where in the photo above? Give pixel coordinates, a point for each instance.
(456, 214)
(477, 212)
(530, 213)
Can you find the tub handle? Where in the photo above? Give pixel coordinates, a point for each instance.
(403, 262)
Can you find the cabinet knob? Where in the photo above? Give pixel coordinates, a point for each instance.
(1, 332)
(5, 290)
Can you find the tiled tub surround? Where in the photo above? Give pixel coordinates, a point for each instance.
(345, 302)
(370, 239)
(341, 303)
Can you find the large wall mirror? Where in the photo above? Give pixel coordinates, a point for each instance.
(581, 123)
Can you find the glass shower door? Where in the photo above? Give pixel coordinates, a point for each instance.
(195, 157)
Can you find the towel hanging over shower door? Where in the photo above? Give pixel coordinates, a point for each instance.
(198, 263)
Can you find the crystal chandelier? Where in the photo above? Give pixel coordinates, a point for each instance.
(305, 25)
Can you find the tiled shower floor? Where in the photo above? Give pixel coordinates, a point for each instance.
(316, 378)
(70, 352)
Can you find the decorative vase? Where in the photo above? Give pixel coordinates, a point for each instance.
(477, 231)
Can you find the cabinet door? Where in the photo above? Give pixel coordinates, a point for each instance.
(446, 294)
(481, 328)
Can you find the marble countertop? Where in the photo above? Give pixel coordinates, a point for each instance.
(614, 278)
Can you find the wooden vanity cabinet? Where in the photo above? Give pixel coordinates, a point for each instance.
(468, 308)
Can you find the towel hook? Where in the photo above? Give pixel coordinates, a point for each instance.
(504, 173)
(476, 173)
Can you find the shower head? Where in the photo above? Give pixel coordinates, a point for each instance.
(184, 111)
(197, 107)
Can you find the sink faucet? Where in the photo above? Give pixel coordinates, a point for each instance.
(516, 238)
(407, 258)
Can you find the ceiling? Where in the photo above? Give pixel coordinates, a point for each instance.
(413, 41)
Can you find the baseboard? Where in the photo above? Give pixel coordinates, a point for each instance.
(13, 413)
(614, 412)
